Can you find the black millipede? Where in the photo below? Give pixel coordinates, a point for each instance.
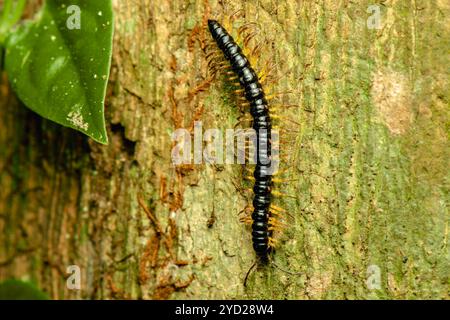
(259, 109)
(263, 217)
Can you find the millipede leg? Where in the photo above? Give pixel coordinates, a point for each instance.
(285, 131)
(236, 15)
(214, 54)
(275, 229)
(281, 194)
(246, 220)
(242, 29)
(243, 122)
(274, 222)
(282, 171)
(251, 178)
(272, 242)
(256, 51)
(285, 119)
(279, 211)
(276, 180)
(283, 106)
(249, 37)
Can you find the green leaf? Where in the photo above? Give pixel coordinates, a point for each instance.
(19, 290)
(59, 65)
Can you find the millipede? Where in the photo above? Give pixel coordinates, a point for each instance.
(259, 109)
(263, 220)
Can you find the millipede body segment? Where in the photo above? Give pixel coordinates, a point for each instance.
(255, 96)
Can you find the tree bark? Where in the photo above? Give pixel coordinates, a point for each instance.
(369, 170)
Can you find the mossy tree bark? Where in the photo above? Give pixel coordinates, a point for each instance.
(369, 170)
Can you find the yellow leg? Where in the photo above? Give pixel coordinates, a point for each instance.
(246, 220)
(273, 95)
(276, 208)
(272, 242)
(276, 180)
(275, 213)
(224, 65)
(281, 194)
(278, 106)
(279, 211)
(284, 131)
(285, 119)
